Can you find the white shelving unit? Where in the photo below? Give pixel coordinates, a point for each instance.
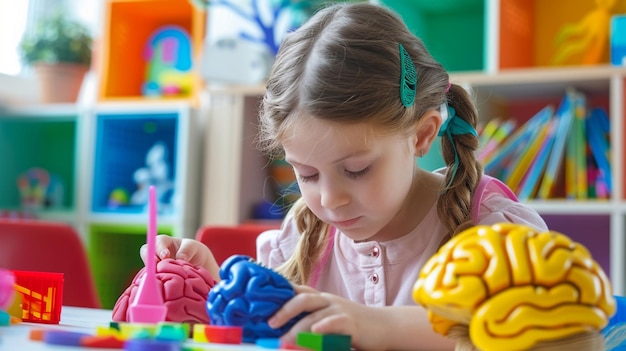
(597, 81)
(37, 137)
(184, 135)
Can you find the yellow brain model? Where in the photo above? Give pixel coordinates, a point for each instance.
(511, 285)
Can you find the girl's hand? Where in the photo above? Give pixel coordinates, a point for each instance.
(192, 251)
(332, 314)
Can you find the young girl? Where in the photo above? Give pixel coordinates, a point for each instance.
(353, 99)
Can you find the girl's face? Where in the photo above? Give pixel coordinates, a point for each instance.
(351, 177)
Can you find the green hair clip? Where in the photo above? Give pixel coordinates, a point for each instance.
(408, 78)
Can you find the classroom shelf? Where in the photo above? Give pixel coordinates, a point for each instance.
(518, 94)
(96, 149)
(524, 32)
(447, 29)
(129, 25)
(496, 35)
(43, 138)
(136, 145)
(123, 144)
(230, 151)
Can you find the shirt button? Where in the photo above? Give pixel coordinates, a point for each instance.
(375, 252)
(374, 278)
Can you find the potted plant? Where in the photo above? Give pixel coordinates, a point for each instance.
(59, 50)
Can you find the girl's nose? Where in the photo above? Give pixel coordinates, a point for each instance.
(333, 195)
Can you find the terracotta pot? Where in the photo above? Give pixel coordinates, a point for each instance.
(60, 82)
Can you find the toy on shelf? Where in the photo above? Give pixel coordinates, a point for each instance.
(587, 41)
(156, 173)
(39, 189)
(119, 197)
(184, 288)
(507, 285)
(247, 296)
(168, 71)
(618, 40)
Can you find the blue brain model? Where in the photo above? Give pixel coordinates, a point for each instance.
(247, 296)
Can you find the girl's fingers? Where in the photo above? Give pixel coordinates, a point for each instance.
(308, 323)
(333, 324)
(166, 247)
(299, 289)
(302, 302)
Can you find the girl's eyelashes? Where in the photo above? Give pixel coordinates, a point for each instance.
(305, 179)
(349, 174)
(357, 174)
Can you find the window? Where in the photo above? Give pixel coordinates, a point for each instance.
(13, 16)
(18, 17)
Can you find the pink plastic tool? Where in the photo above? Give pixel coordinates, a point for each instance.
(148, 305)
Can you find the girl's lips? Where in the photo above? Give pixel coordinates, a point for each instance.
(347, 223)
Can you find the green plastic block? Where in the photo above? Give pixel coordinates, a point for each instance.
(168, 331)
(324, 342)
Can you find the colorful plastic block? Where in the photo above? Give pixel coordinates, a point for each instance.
(109, 342)
(172, 332)
(60, 337)
(324, 342)
(268, 343)
(36, 334)
(137, 330)
(198, 333)
(151, 345)
(220, 334)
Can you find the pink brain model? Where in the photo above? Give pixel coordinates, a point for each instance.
(184, 287)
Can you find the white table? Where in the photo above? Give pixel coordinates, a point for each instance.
(86, 320)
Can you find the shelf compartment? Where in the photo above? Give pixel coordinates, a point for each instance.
(129, 24)
(528, 29)
(114, 256)
(523, 100)
(123, 141)
(46, 141)
(518, 96)
(453, 31)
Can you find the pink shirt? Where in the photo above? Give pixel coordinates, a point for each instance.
(383, 273)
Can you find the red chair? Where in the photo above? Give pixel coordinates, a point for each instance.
(34, 245)
(225, 241)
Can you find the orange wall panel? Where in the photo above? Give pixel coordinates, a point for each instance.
(516, 33)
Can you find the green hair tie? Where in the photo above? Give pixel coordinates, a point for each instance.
(455, 125)
(408, 78)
